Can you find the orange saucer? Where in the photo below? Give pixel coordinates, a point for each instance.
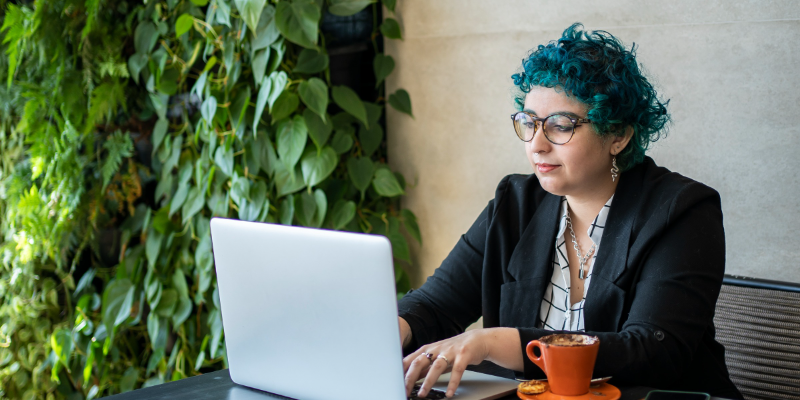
(604, 391)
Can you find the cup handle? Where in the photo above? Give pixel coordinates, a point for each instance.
(539, 361)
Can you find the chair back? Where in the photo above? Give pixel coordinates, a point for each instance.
(758, 322)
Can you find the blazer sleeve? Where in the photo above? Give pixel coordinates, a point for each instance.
(450, 300)
(671, 299)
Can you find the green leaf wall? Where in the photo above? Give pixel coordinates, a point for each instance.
(124, 127)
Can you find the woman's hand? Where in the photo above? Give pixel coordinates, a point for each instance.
(499, 345)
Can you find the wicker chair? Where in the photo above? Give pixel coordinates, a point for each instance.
(758, 322)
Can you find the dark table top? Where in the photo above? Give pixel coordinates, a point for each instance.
(218, 385)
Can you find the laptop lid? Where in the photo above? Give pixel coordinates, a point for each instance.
(306, 309)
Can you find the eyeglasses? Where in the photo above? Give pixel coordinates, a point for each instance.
(558, 128)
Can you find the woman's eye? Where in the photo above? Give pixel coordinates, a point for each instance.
(563, 128)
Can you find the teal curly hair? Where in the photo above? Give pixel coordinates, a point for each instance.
(595, 68)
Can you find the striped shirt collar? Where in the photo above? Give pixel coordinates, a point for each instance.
(595, 230)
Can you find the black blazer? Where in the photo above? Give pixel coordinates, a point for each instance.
(654, 286)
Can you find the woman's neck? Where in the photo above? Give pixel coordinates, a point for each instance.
(584, 207)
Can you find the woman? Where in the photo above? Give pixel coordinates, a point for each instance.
(599, 239)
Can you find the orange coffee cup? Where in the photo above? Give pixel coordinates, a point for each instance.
(568, 361)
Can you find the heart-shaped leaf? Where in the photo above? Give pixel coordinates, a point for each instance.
(317, 167)
(228, 52)
(131, 375)
(238, 109)
(322, 208)
(262, 101)
(292, 136)
(306, 207)
(386, 184)
(267, 32)
(314, 93)
(278, 49)
(182, 311)
(389, 4)
(344, 8)
(178, 199)
(374, 112)
(361, 170)
(342, 141)
(287, 181)
(285, 105)
(399, 246)
(258, 201)
(183, 24)
(401, 102)
(224, 160)
(117, 303)
(383, 65)
(240, 191)
(203, 257)
(286, 211)
(179, 282)
(269, 160)
(136, 63)
(348, 100)
(185, 172)
(311, 62)
(62, 345)
(279, 81)
(208, 109)
(200, 84)
(318, 130)
(343, 213)
(194, 203)
(167, 303)
(159, 132)
(370, 139)
(252, 155)
(153, 246)
(145, 37)
(391, 29)
(250, 10)
(410, 222)
(343, 120)
(259, 64)
(298, 21)
(223, 13)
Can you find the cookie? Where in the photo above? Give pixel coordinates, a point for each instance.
(532, 387)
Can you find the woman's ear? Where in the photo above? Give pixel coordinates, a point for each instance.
(618, 143)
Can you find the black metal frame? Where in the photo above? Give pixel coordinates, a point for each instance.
(575, 124)
(745, 281)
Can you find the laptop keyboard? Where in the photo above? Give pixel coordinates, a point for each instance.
(433, 394)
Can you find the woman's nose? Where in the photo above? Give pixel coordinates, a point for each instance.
(539, 143)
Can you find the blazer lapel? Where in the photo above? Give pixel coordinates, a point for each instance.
(533, 254)
(604, 300)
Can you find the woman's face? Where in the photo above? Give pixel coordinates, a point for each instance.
(582, 166)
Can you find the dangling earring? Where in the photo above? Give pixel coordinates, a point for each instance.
(614, 169)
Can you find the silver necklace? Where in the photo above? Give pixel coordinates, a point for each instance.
(581, 259)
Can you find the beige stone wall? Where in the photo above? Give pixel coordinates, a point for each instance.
(730, 69)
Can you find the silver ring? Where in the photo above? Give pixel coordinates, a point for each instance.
(429, 356)
(444, 358)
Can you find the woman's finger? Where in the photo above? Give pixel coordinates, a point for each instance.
(456, 373)
(418, 368)
(407, 360)
(437, 368)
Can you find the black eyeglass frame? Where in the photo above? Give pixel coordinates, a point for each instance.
(575, 123)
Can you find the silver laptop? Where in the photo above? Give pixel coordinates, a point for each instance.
(312, 314)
